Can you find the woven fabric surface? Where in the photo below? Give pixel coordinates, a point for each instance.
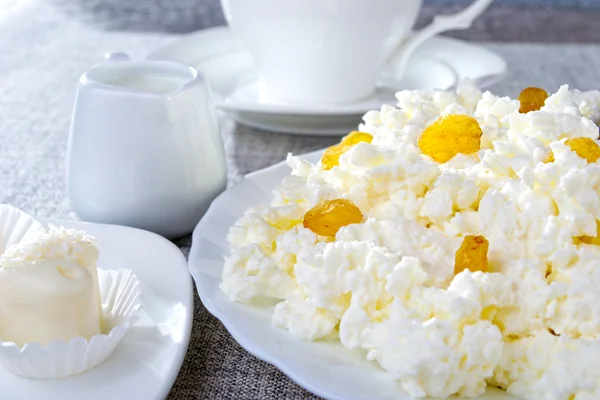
(504, 20)
(44, 53)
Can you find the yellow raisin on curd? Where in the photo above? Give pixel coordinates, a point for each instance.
(472, 255)
(584, 147)
(327, 217)
(532, 99)
(590, 239)
(356, 137)
(332, 154)
(449, 136)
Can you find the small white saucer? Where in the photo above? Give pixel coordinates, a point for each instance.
(146, 362)
(248, 96)
(230, 69)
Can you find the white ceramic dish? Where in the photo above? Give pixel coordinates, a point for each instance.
(229, 67)
(324, 368)
(146, 362)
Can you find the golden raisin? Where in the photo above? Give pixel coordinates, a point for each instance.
(450, 135)
(589, 239)
(472, 255)
(332, 154)
(356, 137)
(532, 99)
(584, 147)
(327, 217)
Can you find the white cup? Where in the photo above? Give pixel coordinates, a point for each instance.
(144, 148)
(332, 51)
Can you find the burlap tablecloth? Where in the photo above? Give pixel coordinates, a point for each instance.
(42, 54)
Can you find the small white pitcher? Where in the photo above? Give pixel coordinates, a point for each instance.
(144, 148)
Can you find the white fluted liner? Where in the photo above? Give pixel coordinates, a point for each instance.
(15, 226)
(58, 359)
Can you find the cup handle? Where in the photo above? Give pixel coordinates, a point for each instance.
(441, 23)
(112, 57)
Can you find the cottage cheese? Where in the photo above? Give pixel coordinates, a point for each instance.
(387, 285)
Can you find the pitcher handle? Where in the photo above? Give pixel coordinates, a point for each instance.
(441, 23)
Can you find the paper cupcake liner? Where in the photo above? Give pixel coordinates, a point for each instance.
(59, 359)
(16, 227)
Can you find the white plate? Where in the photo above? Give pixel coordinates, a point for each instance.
(230, 69)
(147, 361)
(324, 368)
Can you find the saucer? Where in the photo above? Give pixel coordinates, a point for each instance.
(146, 362)
(437, 64)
